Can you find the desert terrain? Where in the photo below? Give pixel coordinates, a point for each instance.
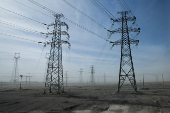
(85, 99)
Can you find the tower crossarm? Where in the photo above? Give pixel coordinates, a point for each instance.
(119, 42)
(64, 24)
(66, 42)
(62, 33)
(130, 29)
(65, 33)
(120, 19)
(62, 42)
(132, 41)
(119, 30)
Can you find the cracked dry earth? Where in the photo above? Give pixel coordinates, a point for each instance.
(86, 99)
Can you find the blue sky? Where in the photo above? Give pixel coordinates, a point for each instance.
(150, 57)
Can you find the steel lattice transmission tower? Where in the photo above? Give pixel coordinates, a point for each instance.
(92, 80)
(81, 76)
(66, 77)
(15, 72)
(126, 63)
(54, 77)
(104, 79)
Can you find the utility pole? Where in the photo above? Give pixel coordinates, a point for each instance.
(162, 80)
(104, 79)
(54, 77)
(81, 77)
(126, 63)
(66, 78)
(92, 75)
(15, 72)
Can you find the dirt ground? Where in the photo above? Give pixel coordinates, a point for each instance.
(85, 99)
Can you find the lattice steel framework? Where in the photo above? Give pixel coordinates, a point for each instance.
(92, 80)
(81, 76)
(126, 63)
(15, 72)
(54, 77)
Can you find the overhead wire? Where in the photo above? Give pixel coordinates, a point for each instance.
(32, 8)
(53, 12)
(121, 5)
(100, 8)
(99, 4)
(43, 7)
(22, 16)
(107, 55)
(65, 18)
(39, 60)
(108, 13)
(69, 4)
(19, 37)
(21, 28)
(105, 8)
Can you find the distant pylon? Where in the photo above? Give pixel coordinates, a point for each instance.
(92, 80)
(126, 63)
(66, 78)
(104, 79)
(54, 77)
(15, 72)
(81, 76)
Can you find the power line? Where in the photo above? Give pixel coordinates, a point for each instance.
(105, 9)
(65, 18)
(32, 8)
(39, 59)
(121, 4)
(83, 13)
(107, 55)
(22, 16)
(100, 8)
(18, 37)
(84, 28)
(20, 27)
(111, 5)
(45, 8)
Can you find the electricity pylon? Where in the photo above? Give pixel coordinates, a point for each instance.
(66, 78)
(54, 77)
(126, 63)
(15, 72)
(104, 79)
(81, 77)
(92, 80)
